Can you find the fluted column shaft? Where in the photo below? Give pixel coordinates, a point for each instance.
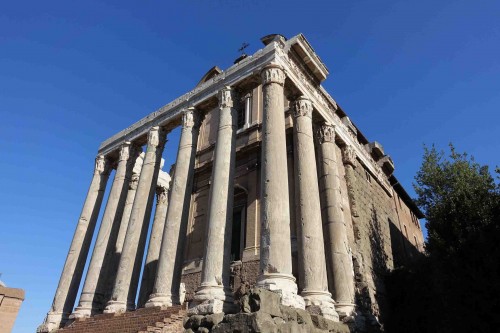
(93, 292)
(275, 244)
(67, 288)
(153, 254)
(167, 282)
(133, 248)
(339, 261)
(214, 294)
(311, 251)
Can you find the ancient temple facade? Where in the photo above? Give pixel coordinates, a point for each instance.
(273, 186)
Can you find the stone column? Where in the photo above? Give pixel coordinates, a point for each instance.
(93, 293)
(167, 282)
(133, 248)
(349, 159)
(214, 295)
(132, 188)
(71, 276)
(275, 244)
(339, 261)
(311, 251)
(153, 254)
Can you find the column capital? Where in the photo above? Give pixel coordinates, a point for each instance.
(134, 181)
(156, 136)
(302, 106)
(273, 73)
(190, 118)
(349, 155)
(125, 151)
(102, 165)
(161, 194)
(227, 96)
(326, 133)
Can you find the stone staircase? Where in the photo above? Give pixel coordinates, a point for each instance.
(148, 320)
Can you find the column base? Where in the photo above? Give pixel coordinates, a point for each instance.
(115, 307)
(320, 302)
(285, 285)
(53, 321)
(162, 300)
(212, 299)
(81, 312)
(345, 309)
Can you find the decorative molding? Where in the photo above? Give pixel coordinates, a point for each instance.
(272, 73)
(326, 133)
(302, 107)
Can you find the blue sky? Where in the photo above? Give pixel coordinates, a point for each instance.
(74, 73)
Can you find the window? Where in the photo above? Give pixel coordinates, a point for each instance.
(368, 176)
(244, 112)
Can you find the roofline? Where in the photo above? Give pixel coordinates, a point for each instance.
(406, 197)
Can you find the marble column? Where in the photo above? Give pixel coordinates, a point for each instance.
(349, 160)
(275, 243)
(214, 294)
(339, 261)
(311, 251)
(133, 248)
(120, 239)
(168, 277)
(93, 292)
(153, 254)
(67, 288)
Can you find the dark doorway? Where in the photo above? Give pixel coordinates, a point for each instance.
(236, 233)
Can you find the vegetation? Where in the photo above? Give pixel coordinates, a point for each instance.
(455, 287)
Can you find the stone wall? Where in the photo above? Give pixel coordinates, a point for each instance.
(10, 303)
(372, 251)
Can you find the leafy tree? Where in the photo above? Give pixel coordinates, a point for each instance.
(458, 196)
(456, 286)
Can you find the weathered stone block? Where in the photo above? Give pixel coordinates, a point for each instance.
(303, 317)
(212, 320)
(262, 300)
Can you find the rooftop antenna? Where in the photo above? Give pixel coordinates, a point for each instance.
(243, 47)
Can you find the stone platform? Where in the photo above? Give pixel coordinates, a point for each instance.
(262, 311)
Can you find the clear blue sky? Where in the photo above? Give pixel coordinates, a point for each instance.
(74, 73)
